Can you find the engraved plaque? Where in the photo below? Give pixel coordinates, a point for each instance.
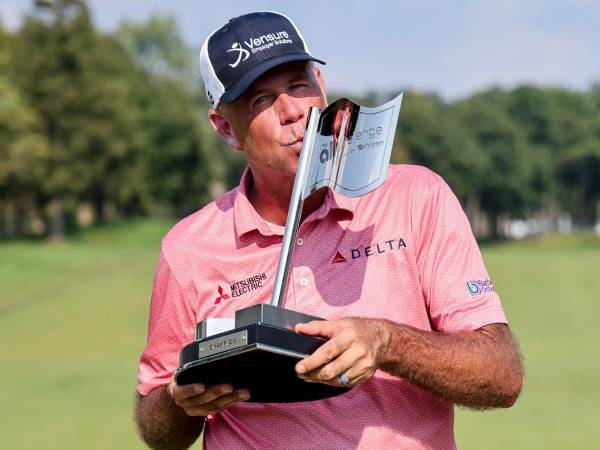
(223, 343)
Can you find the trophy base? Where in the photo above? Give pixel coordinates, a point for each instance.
(259, 357)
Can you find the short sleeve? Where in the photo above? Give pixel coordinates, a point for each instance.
(171, 326)
(456, 286)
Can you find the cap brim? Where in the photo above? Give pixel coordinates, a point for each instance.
(243, 83)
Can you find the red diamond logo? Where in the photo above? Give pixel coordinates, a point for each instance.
(222, 296)
(339, 258)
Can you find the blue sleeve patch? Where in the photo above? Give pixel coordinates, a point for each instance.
(477, 287)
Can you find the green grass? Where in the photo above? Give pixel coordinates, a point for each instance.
(72, 325)
(550, 290)
(73, 322)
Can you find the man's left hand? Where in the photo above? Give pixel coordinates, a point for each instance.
(355, 347)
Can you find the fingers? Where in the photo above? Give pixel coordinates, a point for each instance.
(197, 400)
(357, 366)
(178, 392)
(324, 354)
(329, 373)
(216, 400)
(351, 349)
(323, 328)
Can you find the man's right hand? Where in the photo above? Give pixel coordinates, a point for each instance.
(198, 400)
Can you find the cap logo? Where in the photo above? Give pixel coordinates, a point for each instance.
(242, 54)
(257, 44)
(267, 40)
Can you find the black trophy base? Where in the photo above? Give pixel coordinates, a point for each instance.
(259, 357)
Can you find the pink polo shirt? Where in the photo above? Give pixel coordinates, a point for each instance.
(404, 252)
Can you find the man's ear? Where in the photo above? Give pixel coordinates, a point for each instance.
(222, 126)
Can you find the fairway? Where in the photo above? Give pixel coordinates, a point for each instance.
(73, 322)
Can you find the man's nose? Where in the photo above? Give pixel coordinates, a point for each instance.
(290, 109)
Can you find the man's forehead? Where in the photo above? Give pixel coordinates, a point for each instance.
(284, 73)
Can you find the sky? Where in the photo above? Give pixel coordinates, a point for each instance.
(453, 48)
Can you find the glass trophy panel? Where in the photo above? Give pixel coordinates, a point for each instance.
(352, 147)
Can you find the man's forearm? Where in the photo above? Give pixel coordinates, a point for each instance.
(479, 369)
(164, 425)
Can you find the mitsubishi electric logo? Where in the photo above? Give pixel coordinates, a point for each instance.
(241, 53)
(222, 295)
(241, 287)
(249, 284)
(257, 44)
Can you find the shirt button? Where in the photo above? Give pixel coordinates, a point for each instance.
(300, 241)
(303, 281)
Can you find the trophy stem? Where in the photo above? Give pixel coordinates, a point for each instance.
(295, 210)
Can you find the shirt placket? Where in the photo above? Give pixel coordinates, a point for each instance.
(301, 282)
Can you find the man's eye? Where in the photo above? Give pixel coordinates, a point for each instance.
(260, 100)
(298, 86)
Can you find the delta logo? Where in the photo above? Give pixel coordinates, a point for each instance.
(374, 249)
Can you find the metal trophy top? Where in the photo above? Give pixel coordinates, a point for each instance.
(346, 147)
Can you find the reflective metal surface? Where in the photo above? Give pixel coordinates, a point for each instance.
(347, 147)
(271, 315)
(212, 325)
(223, 343)
(295, 209)
(352, 147)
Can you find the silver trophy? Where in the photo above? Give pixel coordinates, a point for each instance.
(346, 148)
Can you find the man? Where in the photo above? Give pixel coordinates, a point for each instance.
(414, 324)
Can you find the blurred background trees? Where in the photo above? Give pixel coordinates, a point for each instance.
(96, 127)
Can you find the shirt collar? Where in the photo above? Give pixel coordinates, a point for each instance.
(246, 219)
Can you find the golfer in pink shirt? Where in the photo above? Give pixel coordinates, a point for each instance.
(413, 321)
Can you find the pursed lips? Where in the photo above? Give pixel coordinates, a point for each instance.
(297, 144)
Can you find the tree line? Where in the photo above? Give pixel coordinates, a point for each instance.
(96, 126)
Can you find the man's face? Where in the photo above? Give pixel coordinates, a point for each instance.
(269, 120)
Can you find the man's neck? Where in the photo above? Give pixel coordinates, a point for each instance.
(272, 204)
